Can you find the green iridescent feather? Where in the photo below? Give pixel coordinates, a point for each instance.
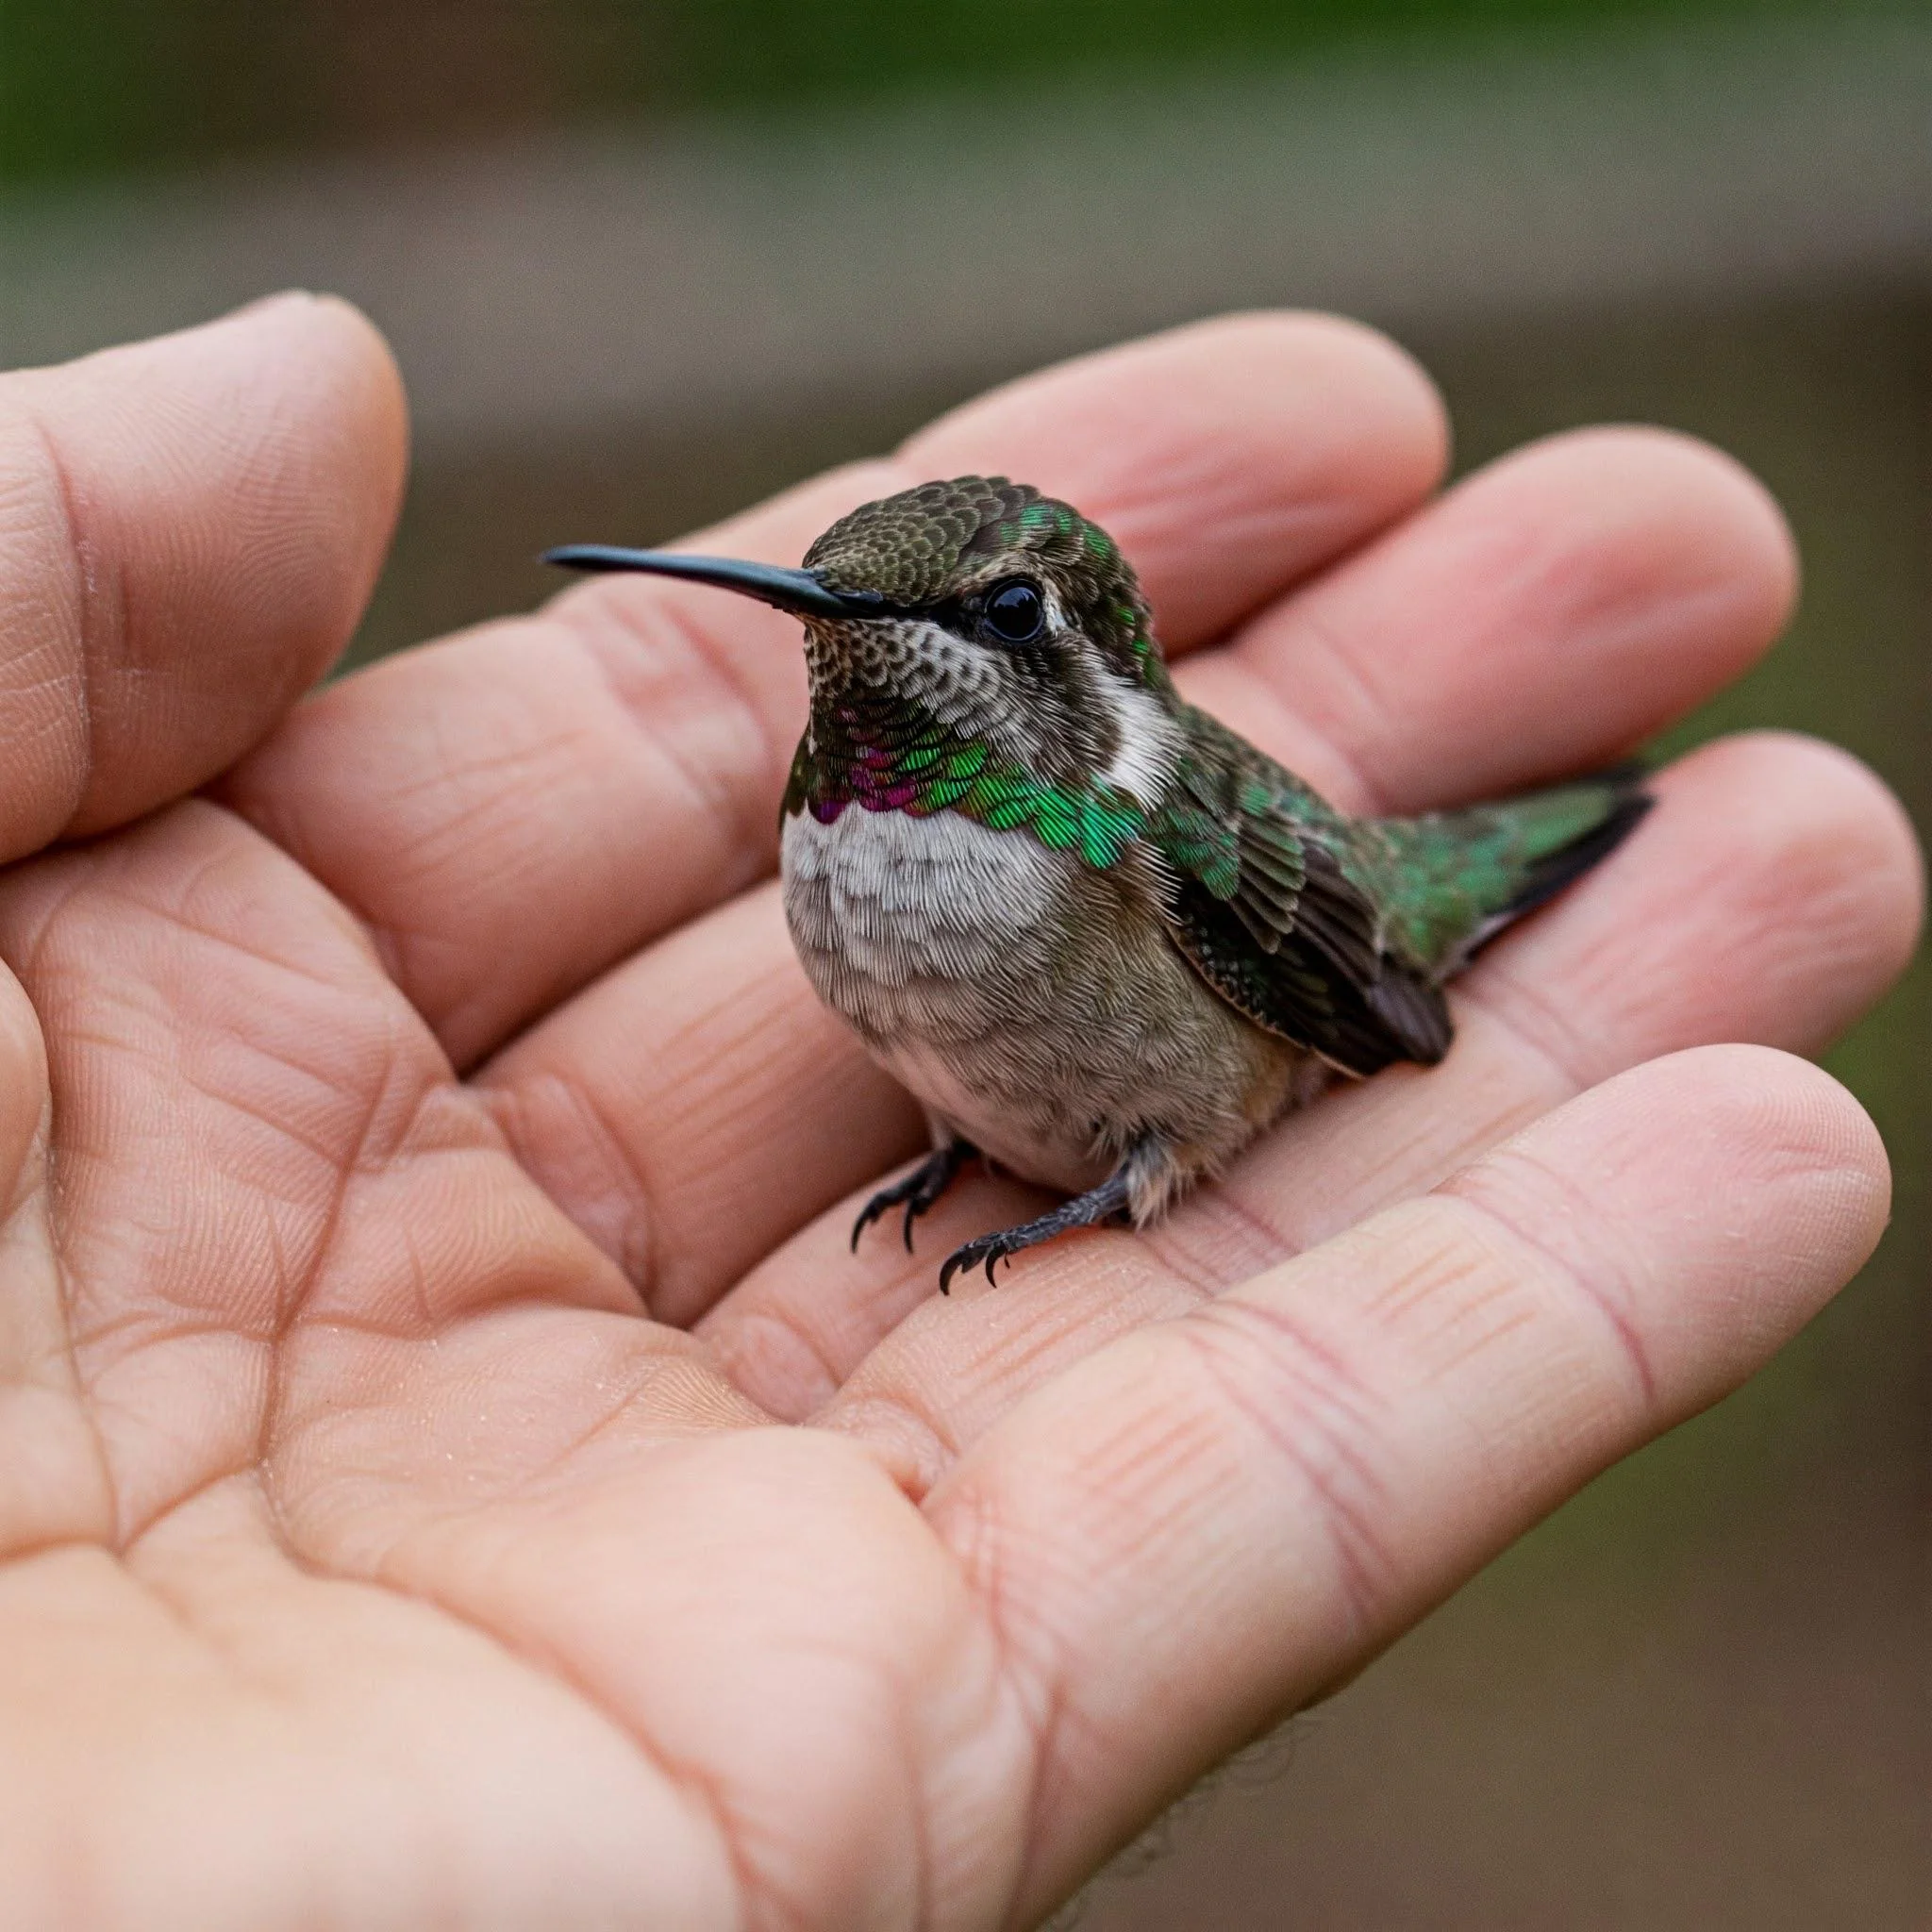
(1337, 932)
(1095, 823)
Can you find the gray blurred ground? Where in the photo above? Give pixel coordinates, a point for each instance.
(1701, 1696)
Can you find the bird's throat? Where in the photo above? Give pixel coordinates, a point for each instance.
(847, 761)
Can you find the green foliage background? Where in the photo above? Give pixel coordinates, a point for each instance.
(93, 86)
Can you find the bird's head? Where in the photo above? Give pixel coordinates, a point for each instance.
(973, 611)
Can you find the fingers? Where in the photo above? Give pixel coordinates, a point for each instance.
(1545, 615)
(517, 809)
(1772, 894)
(1201, 1528)
(188, 529)
(1648, 570)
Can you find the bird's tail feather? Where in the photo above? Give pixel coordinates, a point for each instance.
(1476, 872)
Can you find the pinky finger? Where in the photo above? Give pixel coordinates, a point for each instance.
(1211, 1520)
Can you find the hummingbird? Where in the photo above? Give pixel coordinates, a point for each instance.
(1103, 940)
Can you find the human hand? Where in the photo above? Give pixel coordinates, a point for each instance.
(370, 1559)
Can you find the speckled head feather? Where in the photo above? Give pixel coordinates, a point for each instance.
(915, 549)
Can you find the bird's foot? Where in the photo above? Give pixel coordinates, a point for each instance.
(919, 1191)
(1107, 1202)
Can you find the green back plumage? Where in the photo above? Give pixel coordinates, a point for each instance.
(1338, 933)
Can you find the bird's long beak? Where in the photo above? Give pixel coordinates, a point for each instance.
(796, 591)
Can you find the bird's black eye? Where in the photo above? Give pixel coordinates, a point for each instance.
(1014, 612)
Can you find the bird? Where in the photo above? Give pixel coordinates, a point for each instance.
(1103, 940)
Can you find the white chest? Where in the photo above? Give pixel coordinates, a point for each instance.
(1034, 1005)
(895, 900)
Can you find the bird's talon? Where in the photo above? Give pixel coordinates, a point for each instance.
(867, 1215)
(916, 1193)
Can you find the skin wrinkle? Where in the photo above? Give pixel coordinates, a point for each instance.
(274, 1396)
(1123, 1459)
(346, 1168)
(162, 1328)
(796, 1340)
(1550, 1040)
(543, 1665)
(176, 1613)
(1348, 783)
(1401, 1298)
(55, 1359)
(1469, 1196)
(83, 594)
(751, 844)
(754, 1015)
(1328, 1414)
(1009, 1351)
(744, 1018)
(33, 1185)
(862, 1421)
(409, 957)
(507, 1105)
(646, 1373)
(1038, 1699)
(53, 1186)
(103, 886)
(505, 769)
(317, 1148)
(382, 1331)
(247, 1469)
(364, 1153)
(68, 1289)
(1262, 1245)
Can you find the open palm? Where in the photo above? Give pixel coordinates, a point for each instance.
(429, 1173)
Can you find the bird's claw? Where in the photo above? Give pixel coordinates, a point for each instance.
(916, 1192)
(869, 1213)
(988, 1249)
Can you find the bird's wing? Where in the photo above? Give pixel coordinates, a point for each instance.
(1266, 910)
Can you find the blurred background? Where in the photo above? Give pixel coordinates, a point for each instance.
(642, 263)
